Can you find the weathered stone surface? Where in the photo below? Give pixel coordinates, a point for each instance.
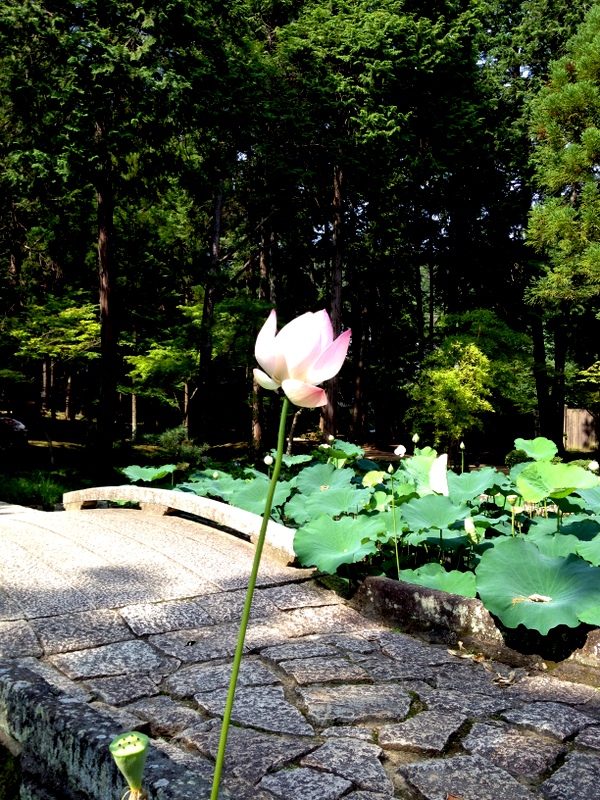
(473, 706)
(299, 784)
(69, 632)
(271, 632)
(428, 731)
(522, 754)
(57, 679)
(173, 615)
(589, 654)
(332, 705)
(299, 595)
(354, 760)
(351, 643)
(578, 777)
(166, 717)
(467, 777)
(590, 737)
(228, 606)
(553, 719)
(17, 640)
(125, 720)
(110, 659)
(350, 732)
(367, 796)
(403, 648)
(461, 675)
(394, 601)
(323, 670)
(329, 619)
(543, 688)
(123, 689)
(198, 644)
(207, 677)
(250, 754)
(242, 790)
(263, 707)
(383, 668)
(286, 652)
(9, 610)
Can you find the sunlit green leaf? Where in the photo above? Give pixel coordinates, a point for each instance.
(434, 576)
(540, 448)
(327, 543)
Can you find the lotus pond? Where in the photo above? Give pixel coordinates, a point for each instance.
(527, 543)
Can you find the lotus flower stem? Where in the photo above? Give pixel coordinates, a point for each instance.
(395, 531)
(247, 605)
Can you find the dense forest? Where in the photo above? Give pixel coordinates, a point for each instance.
(426, 170)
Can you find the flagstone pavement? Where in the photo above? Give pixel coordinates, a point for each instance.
(138, 615)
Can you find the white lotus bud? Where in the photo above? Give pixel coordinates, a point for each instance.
(216, 476)
(390, 469)
(462, 445)
(268, 460)
(415, 438)
(594, 466)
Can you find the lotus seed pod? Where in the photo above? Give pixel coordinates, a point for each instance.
(129, 751)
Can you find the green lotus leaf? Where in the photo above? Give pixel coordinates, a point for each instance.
(316, 477)
(590, 550)
(451, 540)
(366, 464)
(417, 470)
(584, 529)
(556, 545)
(222, 487)
(432, 511)
(148, 474)
(591, 497)
(252, 495)
(327, 543)
(570, 505)
(540, 449)
(374, 477)
(348, 448)
(543, 479)
(521, 585)
(468, 486)
(342, 500)
(434, 576)
(515, 472)
(292, 461)
(542, 526)
(591, 616)
(295, 509)
(380, 501)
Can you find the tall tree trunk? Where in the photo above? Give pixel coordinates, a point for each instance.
(558, 388)
(108, 321)
(329, 413)
(540, 373)
(266, 288)
(15, 258)
(69, 410)
(359, 414)
(201, 425)
(44, 394)
(134, 422)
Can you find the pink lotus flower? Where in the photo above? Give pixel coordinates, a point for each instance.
(302, 355)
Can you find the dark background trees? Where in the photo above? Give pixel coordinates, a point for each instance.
(185, 166)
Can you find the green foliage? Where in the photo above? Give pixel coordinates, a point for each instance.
(327, 543)
(540, 449)
(434, 576)
(176, 444)
(516, 457)
(524, 587)
(40, 489)
(450, 395)
(148, 474)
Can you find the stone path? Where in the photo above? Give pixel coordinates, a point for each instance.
(138, 614)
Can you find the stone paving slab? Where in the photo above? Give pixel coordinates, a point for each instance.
(137, 617)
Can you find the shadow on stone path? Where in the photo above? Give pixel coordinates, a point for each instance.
(138, 615)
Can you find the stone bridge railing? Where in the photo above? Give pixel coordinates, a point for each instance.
(278, 540)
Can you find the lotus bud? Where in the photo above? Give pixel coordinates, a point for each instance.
(129, 751)
(390, 470)
(331, 438)
(325, 446)
(268, 460)
(216, 476)
(400, 450)
(594, 466)
(415, 438)
(462, 445)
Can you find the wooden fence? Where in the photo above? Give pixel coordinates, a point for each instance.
(580, 430)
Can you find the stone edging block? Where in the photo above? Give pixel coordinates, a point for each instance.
(450, 617)
(63, 745)
(278, 540)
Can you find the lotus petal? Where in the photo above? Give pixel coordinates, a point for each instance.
(304, 394)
